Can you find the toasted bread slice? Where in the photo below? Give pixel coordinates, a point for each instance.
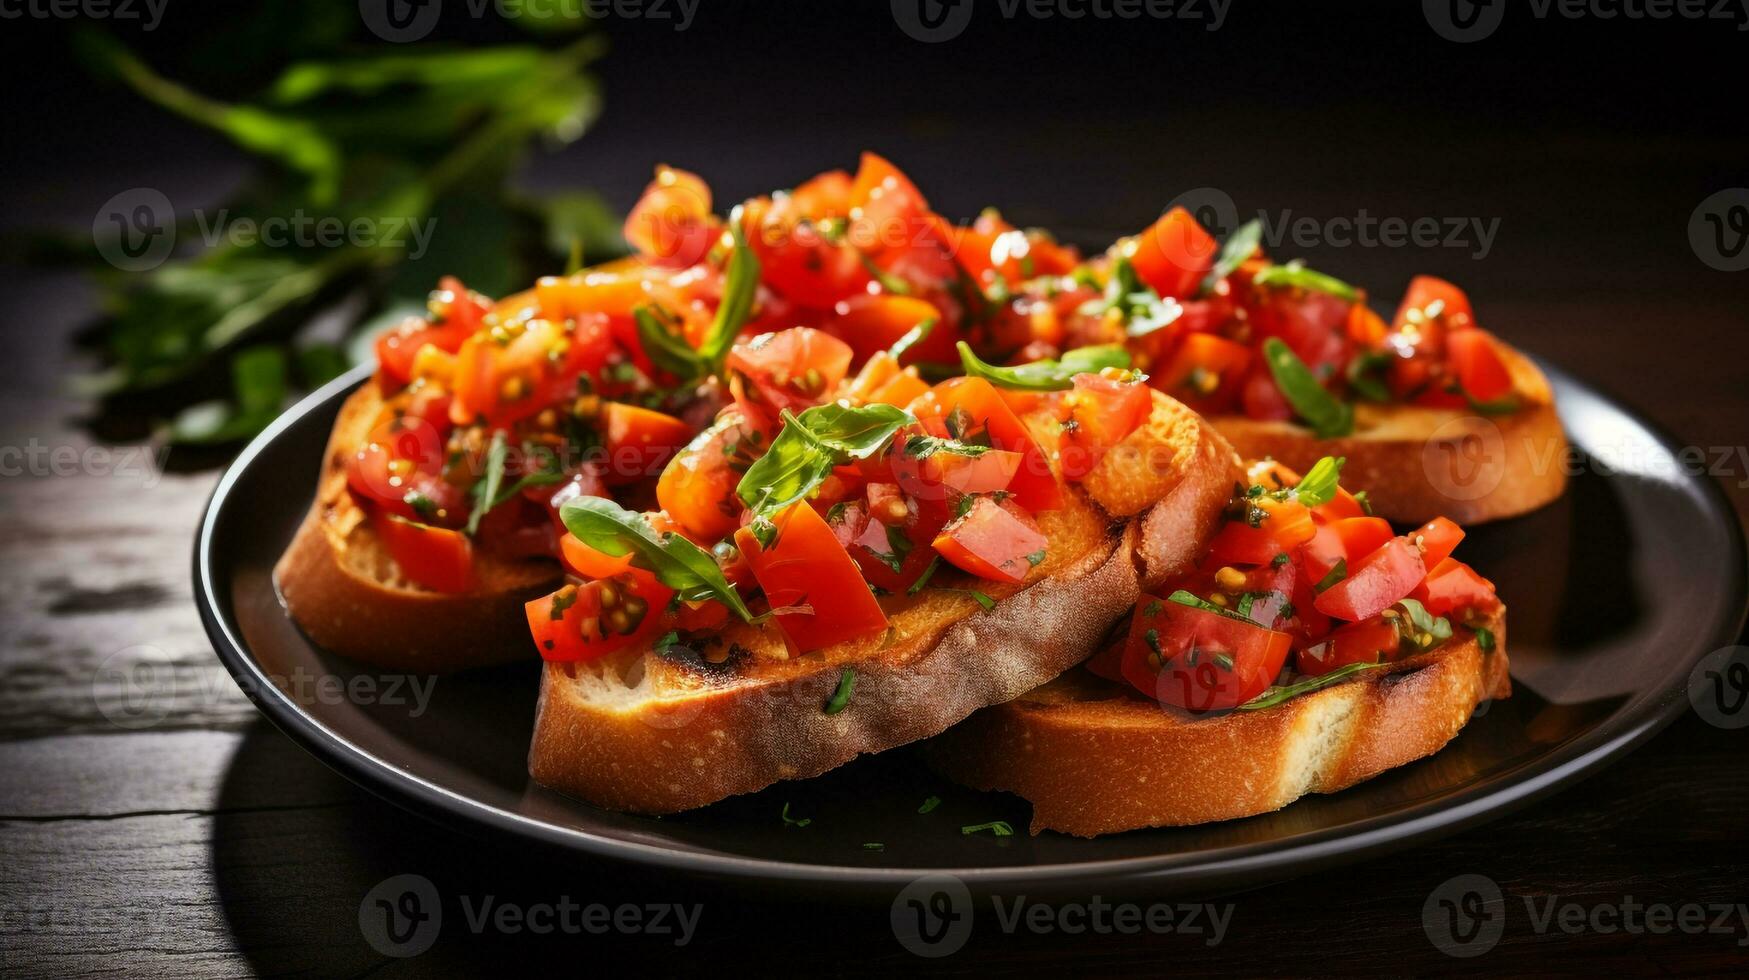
(1421, 463)
(663, 732)
(340, 585)
(1095, 758)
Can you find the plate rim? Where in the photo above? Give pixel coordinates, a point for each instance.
(1562, 766)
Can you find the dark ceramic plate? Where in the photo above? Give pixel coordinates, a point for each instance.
(1616, 592)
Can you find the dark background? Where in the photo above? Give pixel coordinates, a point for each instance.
(1591, 142)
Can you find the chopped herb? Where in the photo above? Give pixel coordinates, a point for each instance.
(1276, 695)
(1223, 661)
(1045, 375)
(1320, 410)
(740, 288)
(1364, 501)
(925, 446)
(1037, 558)
(1190, 599)
(667, 349)
(1437, 629)
(1318, 486)
(923, 579)
(835, 513)
(998, 828)
(789, 821)
(1278, 560)
(983, 600)
(841, 696)
(809, 446)
(1485, 639)
(422, 505)
(964, 505)
(488, 488)
(1152, 637)
(667, 642)
(562, 600)
(1240, 245)
(1153, 609)
(874, 846)
(929, 804)
(1337, 573)
(914, 336)
(1295, 275)
(1363, 374)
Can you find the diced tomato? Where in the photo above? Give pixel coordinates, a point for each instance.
(1475, 359)
(1361, 536)
(586, 482)
(1455, 585)
(1343, 504)
(883, 381)
(794, 369)
(616, 294)
(1108, 663)
(402, 455)
(1173, 256)
(975, 400)
(537, 368)
(992, 541)
(1261, 399)
(440, 559)
(1287, 524)
(824, 196)
(986, 472)
(1375, 583)
(672, 223)
(887, 210)
(1366, 329)
(1199, 660)
(588, 621)
(892, 555)
(697, 488)
(871, 324)
(1372, 641)
(806, 566)
(1313, 324)
(1424, 292)
(1320, 554)
(590, 563)
(1206, 372)
(461, 310)
(1437, 539)
(798, 260)
(639, 441)
(1099, 412)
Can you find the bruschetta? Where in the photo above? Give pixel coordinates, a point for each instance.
(1309, 648)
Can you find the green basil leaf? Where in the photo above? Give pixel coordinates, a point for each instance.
(488, 489)
(912, 338)
(676, 562)
(925, 446)
(1337, 573)
(1240, 245)
(1046, 375)
(855, 432)
(1321, 411)
(667, 349)
(1295, 275)
(1363, 375)
(1276, 695)
(809, 446)
(1318, 486)
(1194, 601)
(740, 287)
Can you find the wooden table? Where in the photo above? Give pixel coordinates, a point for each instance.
(207, 844)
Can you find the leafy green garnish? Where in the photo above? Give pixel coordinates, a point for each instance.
(1328, 417)
(789, 821)
(982, 599)
(997, 828)
(676, 562)
(912, 338)
(1485, 639)
(666, 348)
(1318, 486)
(1337, 573)
(841, 696)
(1191, 599)
(740, 288)
(1045, 375)
(1436, 628)
(922, 580)
(1240, 245)
(921, 446)
(809, 446)
(1278, 694)
(1363, 374)
(487, 491)
(929, 804)
(1295, 275)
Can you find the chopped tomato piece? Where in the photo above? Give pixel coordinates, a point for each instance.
(1173, 256)
(672, 223)
(1197, 659)
(399, 347)
(505, 381)
(638, 441)
(1424, 292)
(1285, 525)
(887, 210)
(1344, 504)
(1206, 372)
(977, 408)
(588, 621)
(1455, 585)
(992, 541)
(824, 196)
(1375, 583)
(1099, 413)
(794, 369)
(697, 488)
(589, 563)
(806, 566)
(438, 558)
(1361, 536)
(1318, 557)
(798, 260)
(1475, 359)
(872, 324)
(1437, 539)
(1262, 399)
(892, 554)
(1372, 641)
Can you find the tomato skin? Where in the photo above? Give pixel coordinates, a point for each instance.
(1375, 583)
(506, 383)
(876, 545)
(1160, 665)
(871, 324)
(991, 541)
(1437, 539)
(1261, 399)
(882, 381)
(1361, 536)
(1099, 412)
(1173, 256)
(588, 563)
(397, 348)
(1455, 585)
(577, 622)
(888, 212)
(437, 558)
(1475, 359)
(1424, 291)
(1319, 555)
(697, 487)
(639, 441)
(794, 369)
(806, 566)
(1287, 526)
(1372, 641)
(1206, 372)
(1035, 486)
(1343, 504)
(797, 260)
(672, 224)
(826, 195)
